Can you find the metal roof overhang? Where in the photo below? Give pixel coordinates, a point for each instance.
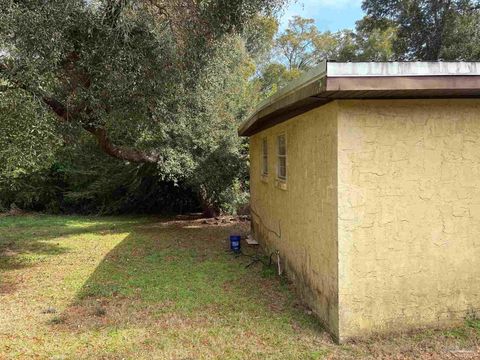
(388, 80)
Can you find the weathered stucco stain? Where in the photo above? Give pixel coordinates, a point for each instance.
(379, 224)
(300, 221)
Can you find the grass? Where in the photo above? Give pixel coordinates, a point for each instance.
(147, 288)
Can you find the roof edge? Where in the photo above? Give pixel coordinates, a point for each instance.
(375, 80)
(310, 77)
(402, 68)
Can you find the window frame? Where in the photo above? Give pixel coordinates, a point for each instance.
(264, 157)
(284, 156)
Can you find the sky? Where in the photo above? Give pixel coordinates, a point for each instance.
(330, 15)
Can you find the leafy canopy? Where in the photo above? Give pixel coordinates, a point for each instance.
(428, 29)
(162, 82)
(100, 64)
(302, 46)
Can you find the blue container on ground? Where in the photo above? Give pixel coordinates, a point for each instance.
(235, 243)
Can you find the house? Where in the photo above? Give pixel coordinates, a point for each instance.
(365, 178)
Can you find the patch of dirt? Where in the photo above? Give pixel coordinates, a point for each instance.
(185, 222)
(8, 252)
(223, 220)
(7, 287)
(15, 211)
(404, 346)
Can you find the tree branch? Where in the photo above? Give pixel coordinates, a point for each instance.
(100, 134)
(66, 115)
(113, 10)
(58, 108)
(3, 70)
(121, 152)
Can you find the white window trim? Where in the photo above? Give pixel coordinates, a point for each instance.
(264, 158)
(282, 178)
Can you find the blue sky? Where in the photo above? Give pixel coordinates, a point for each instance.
(330, 15)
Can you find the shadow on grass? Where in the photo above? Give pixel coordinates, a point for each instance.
(25, 240)
(176, 276)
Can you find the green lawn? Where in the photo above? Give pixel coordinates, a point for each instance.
(146, 288)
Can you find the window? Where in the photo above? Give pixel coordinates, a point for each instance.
(282, 157)
(264, 157)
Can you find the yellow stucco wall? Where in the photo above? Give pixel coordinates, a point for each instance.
(409, 213)
(379, 224)
(300, 220)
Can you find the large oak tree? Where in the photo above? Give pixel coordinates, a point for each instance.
(91, 60)
(152, 81)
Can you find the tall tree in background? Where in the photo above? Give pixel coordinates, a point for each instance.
(297, 49)
(297, 42)
(428, 29)
(463, 41)
(372, 43)
(301, 46)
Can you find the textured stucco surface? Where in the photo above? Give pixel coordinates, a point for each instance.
(409, 213)
(300, 220)
(379, 224)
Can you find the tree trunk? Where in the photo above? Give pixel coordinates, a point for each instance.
(121, 152)
(100, 133)
(209, 210)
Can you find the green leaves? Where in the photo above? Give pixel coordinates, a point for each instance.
(428, 30)
(152, 81)
(28, 137)
(302, 46)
